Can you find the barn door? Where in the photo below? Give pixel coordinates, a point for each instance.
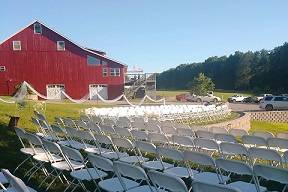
(55, 91)
(100, 89)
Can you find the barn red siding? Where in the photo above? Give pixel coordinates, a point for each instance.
(39, 63)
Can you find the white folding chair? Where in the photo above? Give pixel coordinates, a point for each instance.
(229, 167)
(176, 156)
(207, 145)
(264, 134)
(185, 132)
(73, 139)
(168, 130)
(112, 184)
(254, 141)
(238, 132)
(223, 137)
(218, 130)
(203, 161)
(135, 173)
(278, 144)
(158, 138)
(123, 122)
(124, 145)
(76, 165)
(27, 150)
(15, 183)
(156, 163)
(167, 182)
(269, 155)
(204, 134)
(183, 141)
(106, 129)
(123, 132)
(208, 187)
(233, 149)
(271, 173)
(139, 135)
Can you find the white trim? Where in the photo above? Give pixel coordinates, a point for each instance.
(13, 45)
(64, 38)
(114, 72)
(59, 48)
(2, 68)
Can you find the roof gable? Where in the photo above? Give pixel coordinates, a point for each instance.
(76, 44)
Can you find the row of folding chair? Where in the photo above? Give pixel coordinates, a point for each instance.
(9, 182)
(170, 153)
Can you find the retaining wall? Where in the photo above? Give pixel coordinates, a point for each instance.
(271, 116)
(242, 122)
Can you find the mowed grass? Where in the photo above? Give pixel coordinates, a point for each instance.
(222, 94)
(268, 126)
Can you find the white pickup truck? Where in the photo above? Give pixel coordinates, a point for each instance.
(236, 98)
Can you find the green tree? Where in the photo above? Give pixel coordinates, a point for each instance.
(201, 85)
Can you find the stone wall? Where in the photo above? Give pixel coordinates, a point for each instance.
(271, 116)
(242, 122)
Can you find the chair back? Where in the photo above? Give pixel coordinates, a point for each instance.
(167, 181)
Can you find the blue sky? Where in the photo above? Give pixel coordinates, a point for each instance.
(157, 34)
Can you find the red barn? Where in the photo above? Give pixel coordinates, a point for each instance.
(51, 62)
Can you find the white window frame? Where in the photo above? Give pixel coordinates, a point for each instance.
(14, 43)
(59, 48)
(40, 28)
(105, 72)
(2, 68)
(115, 72)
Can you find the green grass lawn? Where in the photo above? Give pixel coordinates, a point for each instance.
(268, 126)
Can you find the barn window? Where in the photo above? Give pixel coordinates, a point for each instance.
(37, 28)
(114, 72)
(93, 60)
(61, 45)
(104, 72)
(2, 68)
(16, 45)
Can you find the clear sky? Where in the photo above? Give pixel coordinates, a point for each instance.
(156, 34)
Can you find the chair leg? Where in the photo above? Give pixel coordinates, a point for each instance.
(22, 163)
(53, 180)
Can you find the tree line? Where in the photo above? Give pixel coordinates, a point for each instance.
(260, 72)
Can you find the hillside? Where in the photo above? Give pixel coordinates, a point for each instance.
(260, 71)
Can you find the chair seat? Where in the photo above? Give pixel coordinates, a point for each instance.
(209, 177)
(88, 174)
(133, 159)
(145, 188)
(31, 151)
(244, 186)
(180, 172)
(114, 184)
(114, 155)
(73, 144)
(96, 150)
(156, 165)
(3, 179)
(63, 165)
(43, 157)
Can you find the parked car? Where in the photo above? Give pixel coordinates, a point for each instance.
(236, 98)
(260, 97)
(207, 98)
(270, 103)
(250, 100)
